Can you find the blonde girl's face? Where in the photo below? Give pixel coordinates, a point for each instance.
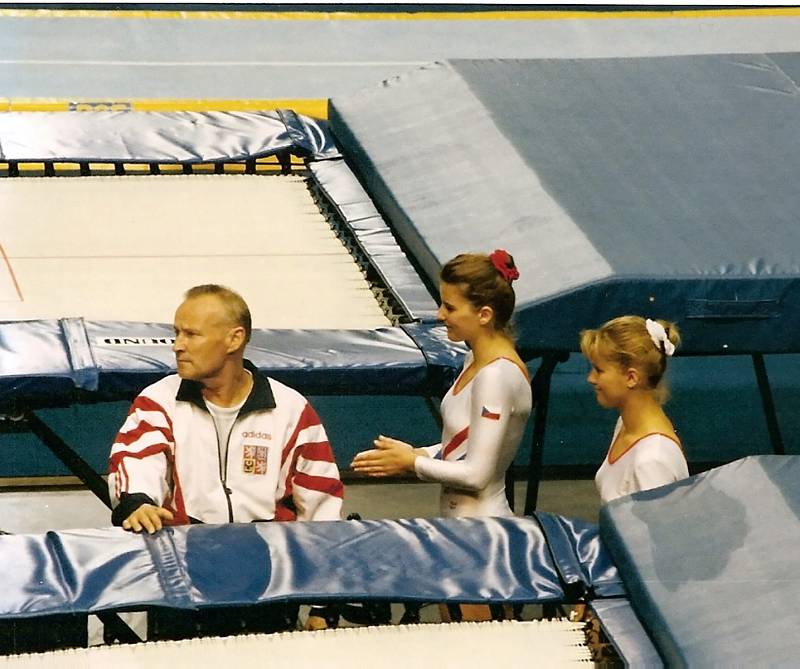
(610, 381)
(459, 315)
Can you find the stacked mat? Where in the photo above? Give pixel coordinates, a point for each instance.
(710, 563)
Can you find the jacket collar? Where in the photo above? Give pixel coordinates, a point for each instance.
(259, 399)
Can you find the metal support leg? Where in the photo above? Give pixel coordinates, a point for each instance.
(540, 386)
(74, 462)
(433, 407)
(115, 627)
(769, 405)
(510, 488)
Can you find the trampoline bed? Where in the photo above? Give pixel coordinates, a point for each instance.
(124, 249)
(732, 301)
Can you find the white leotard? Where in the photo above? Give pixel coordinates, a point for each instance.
(652, 461)
(482, 427)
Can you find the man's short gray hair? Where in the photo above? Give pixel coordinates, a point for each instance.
(237, 308)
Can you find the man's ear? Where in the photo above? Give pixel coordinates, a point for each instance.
(236, 339)
(632, 377)
(485, 315)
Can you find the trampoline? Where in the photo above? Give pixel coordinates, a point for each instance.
(578, 207)
(197, 198)
(114, 249)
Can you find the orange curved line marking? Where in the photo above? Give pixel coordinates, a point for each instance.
(11, 273)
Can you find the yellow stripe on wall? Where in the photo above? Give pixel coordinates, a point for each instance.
(521, 15)
(314, 107)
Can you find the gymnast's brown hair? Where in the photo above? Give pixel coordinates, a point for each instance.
(486, 281)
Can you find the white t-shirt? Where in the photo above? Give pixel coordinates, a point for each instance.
(224, 418)
(652, 461)
(482, 427)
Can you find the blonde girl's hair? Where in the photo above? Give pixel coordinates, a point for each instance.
(486, 281)
(626, 342)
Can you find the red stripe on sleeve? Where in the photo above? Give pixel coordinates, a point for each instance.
(455, 442)
(319, 451)
(324, 484)
(180, 516)
(155, 449)
(127, 438)
(308, 418)
(144, 403)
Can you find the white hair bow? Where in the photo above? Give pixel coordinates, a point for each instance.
(659, 336)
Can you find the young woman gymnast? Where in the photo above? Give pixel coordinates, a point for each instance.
(629, 356)
(485, 411)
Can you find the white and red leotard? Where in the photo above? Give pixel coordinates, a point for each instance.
(652, 461)
(483, 425)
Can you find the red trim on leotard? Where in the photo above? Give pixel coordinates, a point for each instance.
(502, 357)
(627, 450)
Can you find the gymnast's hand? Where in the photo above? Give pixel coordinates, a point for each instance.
(390, 457)
(147, 517)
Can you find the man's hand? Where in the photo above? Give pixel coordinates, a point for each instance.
(314, 623)
(147, 517)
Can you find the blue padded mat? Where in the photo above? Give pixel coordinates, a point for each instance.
(710, 563)
(662, 186)
(436, 560)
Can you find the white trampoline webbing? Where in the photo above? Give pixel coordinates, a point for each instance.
(457, 645)
(127, 247)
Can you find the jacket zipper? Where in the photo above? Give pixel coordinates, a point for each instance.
(223, 466)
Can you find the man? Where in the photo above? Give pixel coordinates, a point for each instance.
(219, 442)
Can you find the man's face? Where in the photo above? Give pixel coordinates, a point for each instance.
(203, 337)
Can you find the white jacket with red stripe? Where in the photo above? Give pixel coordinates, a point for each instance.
(279, 464)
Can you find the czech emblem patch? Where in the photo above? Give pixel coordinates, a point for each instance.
(255, 460)
(486, 412)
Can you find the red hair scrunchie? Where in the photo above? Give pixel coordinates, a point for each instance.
(504, 264)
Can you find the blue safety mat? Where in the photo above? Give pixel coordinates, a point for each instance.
(47, 362)
(437, 560)
(373, 237)
(160, 137)
(659, 186)
(583, 563)
(625, 632)
(710, 563)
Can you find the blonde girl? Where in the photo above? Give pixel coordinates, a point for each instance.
(628, 357)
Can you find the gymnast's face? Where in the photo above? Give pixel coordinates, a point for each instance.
(204, 338)
(610, 381)
(462, 320)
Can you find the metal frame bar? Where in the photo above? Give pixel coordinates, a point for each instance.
(768, 404)
(540, 387)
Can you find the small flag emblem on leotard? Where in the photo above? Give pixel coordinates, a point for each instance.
(491, 415)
